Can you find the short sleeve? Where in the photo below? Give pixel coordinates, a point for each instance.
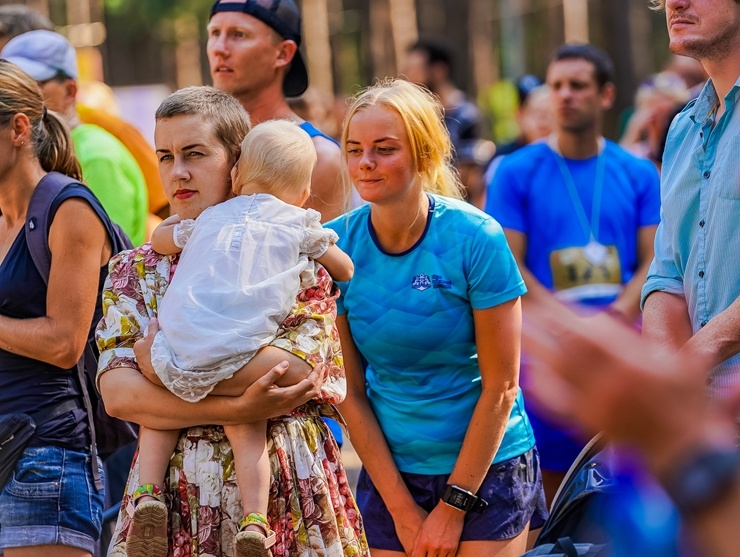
(182, 231)
(505, 200)
(493, 275)
(137, 280)
(123, 320)
(316, 238)
(664, 274)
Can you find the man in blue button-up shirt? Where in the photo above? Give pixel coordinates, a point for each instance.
(692, 296)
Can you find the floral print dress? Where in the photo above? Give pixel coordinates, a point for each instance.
(312, 509)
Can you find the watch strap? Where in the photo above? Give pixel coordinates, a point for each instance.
(462, 499)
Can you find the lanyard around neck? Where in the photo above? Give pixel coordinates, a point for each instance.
(591, 229)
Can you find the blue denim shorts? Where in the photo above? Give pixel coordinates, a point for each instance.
(51, 500)
(513, 489)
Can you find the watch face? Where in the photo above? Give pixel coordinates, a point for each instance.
(458, 499)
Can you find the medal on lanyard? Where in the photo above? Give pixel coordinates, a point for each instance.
(595, 252)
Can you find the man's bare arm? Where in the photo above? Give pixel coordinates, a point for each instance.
(628, 302)
(665, 320)
(537, 294)
(328, 193)
(719, 339)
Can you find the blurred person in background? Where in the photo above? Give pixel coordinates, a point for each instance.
(253, 55)
(657, 101)
(690, 299)
(429, 62)
(108, 168)
(690, 70)
(534, 117)
(316, 105)
(579, 213)
(16, 19)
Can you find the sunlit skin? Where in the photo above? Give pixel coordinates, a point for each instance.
(245, 55)
(379, 157)
(191, 161)
(703, 29)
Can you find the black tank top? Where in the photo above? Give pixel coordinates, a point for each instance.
(28, 385)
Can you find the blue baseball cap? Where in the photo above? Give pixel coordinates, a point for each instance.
(42, 54)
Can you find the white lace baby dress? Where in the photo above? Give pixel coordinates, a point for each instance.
(237, 278)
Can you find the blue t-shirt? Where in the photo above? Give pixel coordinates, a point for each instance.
(529, 194)
(411, 316)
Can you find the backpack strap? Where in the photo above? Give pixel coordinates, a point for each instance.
(37, 219)
(37, 238)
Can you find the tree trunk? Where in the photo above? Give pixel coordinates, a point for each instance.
(618, 43)
(381, 40)
(187, 51)
(480, 46)
(576, 19)
(317, 43)
(403, 26)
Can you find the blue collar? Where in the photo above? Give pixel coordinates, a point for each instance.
(708, 99)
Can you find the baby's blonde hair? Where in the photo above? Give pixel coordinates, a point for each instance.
(278, 157)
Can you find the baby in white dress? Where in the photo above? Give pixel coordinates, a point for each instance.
(236, 280)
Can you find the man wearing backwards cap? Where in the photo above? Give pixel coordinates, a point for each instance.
(108, 167)
(253, 54)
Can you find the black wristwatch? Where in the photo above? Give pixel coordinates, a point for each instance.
(703, 479)
(456, 496)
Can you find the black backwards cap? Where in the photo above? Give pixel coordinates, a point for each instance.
(283, 16)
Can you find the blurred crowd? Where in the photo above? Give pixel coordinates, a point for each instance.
(620, 254)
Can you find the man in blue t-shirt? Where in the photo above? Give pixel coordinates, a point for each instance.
(580, 215)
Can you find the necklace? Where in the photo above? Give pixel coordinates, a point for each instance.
(595, 252)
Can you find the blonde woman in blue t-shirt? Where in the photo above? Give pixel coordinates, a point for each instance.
(433, 309)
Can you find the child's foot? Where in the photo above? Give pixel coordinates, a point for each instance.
(254, 538)
(147, 535)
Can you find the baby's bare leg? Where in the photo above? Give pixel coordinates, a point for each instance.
(147, 533)
(251, 464)
(155, 450)
(262, 362)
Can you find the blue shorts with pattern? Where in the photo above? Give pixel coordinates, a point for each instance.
(512, 488)
(51, 500)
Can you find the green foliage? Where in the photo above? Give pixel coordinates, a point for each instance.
(156, 11)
